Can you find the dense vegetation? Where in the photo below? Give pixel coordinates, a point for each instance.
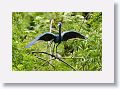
(83, 55)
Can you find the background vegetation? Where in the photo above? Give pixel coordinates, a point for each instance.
(28, 25)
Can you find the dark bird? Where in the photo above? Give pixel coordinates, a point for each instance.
(57, 38)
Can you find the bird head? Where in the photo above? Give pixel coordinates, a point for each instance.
(59, 24)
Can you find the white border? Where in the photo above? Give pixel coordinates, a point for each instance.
(104, 76)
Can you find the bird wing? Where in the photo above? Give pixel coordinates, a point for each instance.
(46, 37)
(72, 34)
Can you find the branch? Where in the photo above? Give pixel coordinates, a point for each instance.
(56, 58)
(46, 61)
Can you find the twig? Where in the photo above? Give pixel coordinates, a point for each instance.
(70, 57)
(46, 61)
(57, 58)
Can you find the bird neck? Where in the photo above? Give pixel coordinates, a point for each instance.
(60, 32)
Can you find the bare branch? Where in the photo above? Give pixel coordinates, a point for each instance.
(56, 58)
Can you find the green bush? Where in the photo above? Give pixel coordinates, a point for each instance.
(86, 54)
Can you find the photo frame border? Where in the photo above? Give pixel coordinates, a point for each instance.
(104, 76)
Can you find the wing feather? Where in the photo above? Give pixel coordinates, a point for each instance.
(46, 37)
(72, 34)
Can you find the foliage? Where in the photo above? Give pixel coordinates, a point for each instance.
(83, 55)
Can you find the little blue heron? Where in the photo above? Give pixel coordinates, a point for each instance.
(57, 38)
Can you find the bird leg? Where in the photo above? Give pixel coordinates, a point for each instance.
(56, 48)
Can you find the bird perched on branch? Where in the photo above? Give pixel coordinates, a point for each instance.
(57, 38)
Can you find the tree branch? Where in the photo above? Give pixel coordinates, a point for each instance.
(46, 61)
(56, 58)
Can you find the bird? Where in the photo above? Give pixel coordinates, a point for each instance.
(57, 38)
